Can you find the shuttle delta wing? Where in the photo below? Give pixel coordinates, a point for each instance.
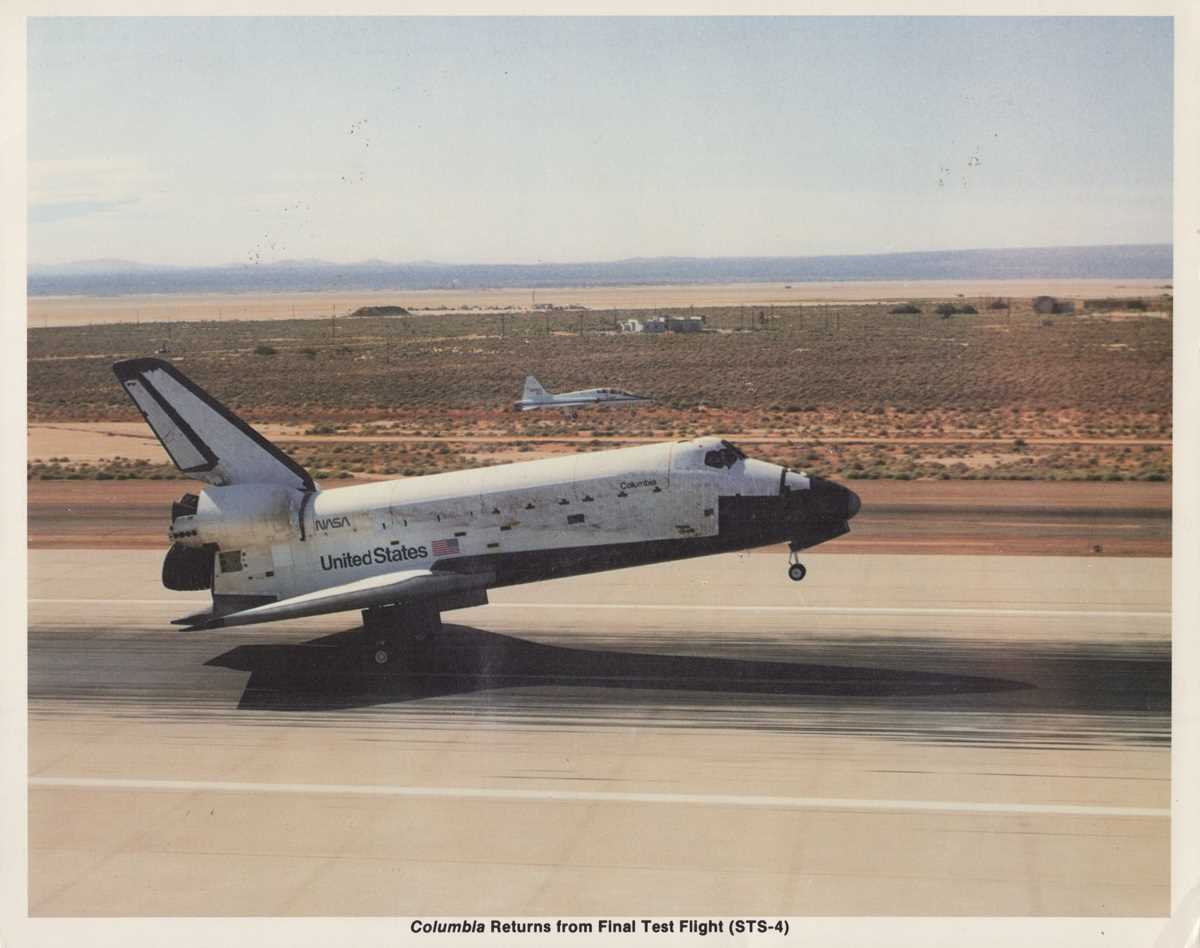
(204, 438)
(405, 586)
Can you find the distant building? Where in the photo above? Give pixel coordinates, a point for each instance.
(663, 324)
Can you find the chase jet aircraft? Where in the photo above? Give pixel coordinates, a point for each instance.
(269, 544)
(535, 396)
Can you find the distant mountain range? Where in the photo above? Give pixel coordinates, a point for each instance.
(124, 277)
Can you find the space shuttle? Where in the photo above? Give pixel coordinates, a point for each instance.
(269, 544)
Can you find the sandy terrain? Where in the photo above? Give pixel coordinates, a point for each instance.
(92, 441)
(45, 311)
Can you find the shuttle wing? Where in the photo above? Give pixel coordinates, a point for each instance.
(401, 587)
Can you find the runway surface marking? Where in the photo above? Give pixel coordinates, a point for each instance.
(817, 610)
(582, 796)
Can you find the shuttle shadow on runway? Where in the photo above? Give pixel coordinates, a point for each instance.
(335, 672)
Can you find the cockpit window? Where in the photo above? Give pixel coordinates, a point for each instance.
(725, 456)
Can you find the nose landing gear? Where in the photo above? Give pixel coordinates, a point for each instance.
(796, 570)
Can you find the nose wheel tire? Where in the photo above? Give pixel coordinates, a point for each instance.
(797, 572)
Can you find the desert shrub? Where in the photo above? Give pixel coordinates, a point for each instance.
(998, 304)
(381, 311)
(905, 309)
(265, 350)
(945, 310)
(967, 308)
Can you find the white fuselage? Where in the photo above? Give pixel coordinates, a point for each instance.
(292, 543)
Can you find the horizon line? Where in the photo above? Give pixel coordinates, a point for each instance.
(117, 263)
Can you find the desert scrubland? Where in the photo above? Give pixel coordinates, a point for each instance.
(853, 391)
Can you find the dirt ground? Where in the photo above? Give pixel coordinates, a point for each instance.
(46, 311)
(90, 441)
(947, 517)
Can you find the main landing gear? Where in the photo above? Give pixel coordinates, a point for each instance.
(796, 570)
(391, 631)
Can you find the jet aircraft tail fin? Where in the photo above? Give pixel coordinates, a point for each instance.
(204, 438)
(534, 391)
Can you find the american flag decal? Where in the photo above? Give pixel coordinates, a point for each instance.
(444, 547)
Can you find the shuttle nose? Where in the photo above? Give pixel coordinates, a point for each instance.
(853, 504)
(829, 501)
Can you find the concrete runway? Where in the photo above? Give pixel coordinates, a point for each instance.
(893, 736)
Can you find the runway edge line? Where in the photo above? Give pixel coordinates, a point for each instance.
(584, 796)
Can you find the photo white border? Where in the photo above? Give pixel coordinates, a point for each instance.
(16, 929)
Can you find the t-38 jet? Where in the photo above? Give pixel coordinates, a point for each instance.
(270, 544)
(535, 396)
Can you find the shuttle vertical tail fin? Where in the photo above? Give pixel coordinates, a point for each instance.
(204, 438)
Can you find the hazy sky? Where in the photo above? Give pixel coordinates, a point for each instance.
(194, 141)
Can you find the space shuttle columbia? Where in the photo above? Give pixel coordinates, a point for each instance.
(269, 544)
